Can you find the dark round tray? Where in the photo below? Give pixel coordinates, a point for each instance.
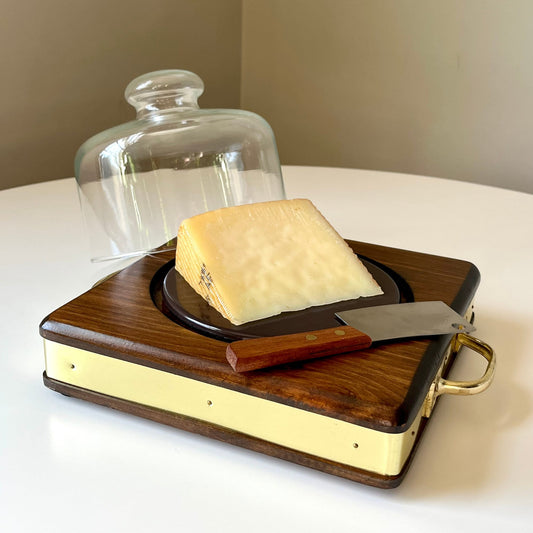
(188, 308)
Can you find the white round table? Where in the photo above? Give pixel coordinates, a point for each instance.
(69, 465)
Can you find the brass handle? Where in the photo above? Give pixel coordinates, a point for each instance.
(463, 388)
(467, 388)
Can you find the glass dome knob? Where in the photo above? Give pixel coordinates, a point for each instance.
(164, 89)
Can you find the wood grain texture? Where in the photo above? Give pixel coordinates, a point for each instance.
(253, 354)
(381, 387)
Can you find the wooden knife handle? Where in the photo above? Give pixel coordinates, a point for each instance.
(263, 352)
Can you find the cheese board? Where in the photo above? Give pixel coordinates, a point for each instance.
(125, 344)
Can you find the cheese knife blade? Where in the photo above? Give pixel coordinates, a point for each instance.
(361, 328)
(414, 319)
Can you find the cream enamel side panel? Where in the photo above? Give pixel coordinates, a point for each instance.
(328, 438)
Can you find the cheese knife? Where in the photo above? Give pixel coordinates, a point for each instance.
(358, 329)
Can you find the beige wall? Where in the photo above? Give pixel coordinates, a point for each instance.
(65, 65)
(435, 87)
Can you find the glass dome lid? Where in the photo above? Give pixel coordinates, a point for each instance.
(139, 180)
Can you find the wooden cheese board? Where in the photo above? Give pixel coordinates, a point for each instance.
(355, 415)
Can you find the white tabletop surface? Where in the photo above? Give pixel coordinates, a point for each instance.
(69, 465)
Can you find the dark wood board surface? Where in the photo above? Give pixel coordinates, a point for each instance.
(381, 388)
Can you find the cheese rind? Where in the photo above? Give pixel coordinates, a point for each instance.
(258, 260)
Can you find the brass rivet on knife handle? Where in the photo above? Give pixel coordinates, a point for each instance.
(264, 352)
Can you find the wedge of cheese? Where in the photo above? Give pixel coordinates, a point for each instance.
(258, 260)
